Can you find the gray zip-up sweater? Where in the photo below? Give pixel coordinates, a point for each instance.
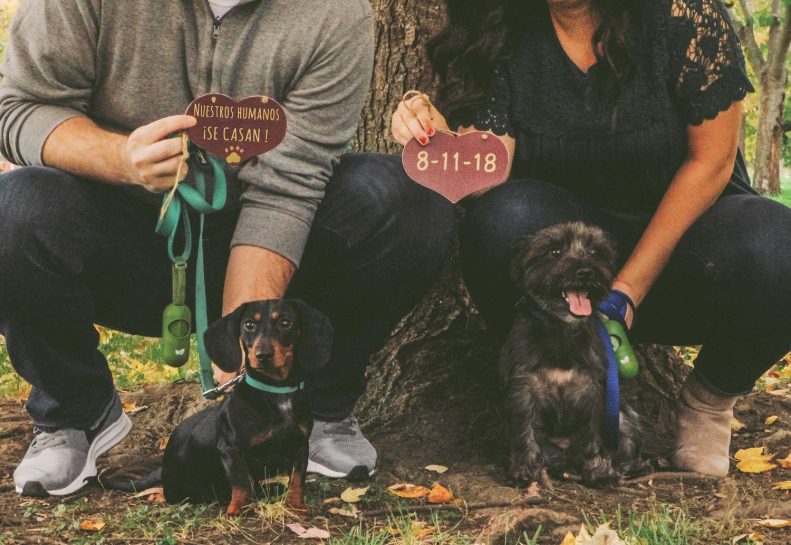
(126, 63)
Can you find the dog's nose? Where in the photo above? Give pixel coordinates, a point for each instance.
(264, 355)
(584, 274)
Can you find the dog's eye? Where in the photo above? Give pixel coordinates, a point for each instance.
(594, 252)
(284, 323)
(249, 325)
(555, 253)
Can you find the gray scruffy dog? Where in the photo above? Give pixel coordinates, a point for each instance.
(553, 364)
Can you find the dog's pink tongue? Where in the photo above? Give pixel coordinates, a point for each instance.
(579, 304)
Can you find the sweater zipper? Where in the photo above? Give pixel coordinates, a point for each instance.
(215, 35)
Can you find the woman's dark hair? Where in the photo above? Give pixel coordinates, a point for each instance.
(480, 33)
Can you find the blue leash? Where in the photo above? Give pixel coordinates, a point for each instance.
(612, 399)
(177, 213)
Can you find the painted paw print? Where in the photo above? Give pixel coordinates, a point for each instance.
(233, 155)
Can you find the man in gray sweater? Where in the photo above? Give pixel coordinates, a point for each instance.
(91, 91)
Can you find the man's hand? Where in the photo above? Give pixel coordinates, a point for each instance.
(150, 158)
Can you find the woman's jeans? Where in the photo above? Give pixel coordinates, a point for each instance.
(76, 252)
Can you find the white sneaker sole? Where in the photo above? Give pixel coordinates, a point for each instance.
(103, 442)
(313, 467)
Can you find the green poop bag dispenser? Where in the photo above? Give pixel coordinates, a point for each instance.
(177, 321)
(627, 361)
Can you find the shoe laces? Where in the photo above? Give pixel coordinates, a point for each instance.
(44, 440)
(347, 426)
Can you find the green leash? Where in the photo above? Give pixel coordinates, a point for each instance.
(173, 331)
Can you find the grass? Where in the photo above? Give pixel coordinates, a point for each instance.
(785, 192)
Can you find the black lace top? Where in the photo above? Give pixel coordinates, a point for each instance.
(688, 68)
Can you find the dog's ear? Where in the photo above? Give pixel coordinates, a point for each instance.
(315, 340)
(222, 341)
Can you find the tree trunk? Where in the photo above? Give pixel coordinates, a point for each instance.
(438, 370)
(769, 136)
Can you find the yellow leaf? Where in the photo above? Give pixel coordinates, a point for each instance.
(753, 460)
(771, 420)
(410, 491)
(439, 494)
(783, 485)
(353, 495)
(775, 523)
(737, 425)
(163, 442)
(92, 524)
(569, 539)
(437, 469)
(129, 406)
(786, 462)
(754, 466)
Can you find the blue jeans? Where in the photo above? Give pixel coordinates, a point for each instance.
(75, 252)
(727, 285)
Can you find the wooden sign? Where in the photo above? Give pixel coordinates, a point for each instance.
(237, 130)
(456, 166)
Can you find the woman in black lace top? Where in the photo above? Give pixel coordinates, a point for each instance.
(625, 114)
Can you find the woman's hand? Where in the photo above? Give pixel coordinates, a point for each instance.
(417, 119)
(627, 289)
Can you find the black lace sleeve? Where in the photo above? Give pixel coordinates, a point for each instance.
(707, 72)
(495, 115)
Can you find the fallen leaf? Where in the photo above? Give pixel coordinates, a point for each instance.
(779, 392)
(439, 495)
(569, 539)
(155, 494)
(310, 533)
(737, 425)
(353, 495)
(436, 469)
(753, 460)
(784, 485)
(603, 535)
(129, 406)
(754, 538)
(771, 420)
(351, 513)
(164, 442)
(92, 524)
(410, 491)
(775, 523)
(785, 462)
(334, 499)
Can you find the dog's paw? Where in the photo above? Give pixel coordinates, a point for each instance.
(599, 472)
(527, 469)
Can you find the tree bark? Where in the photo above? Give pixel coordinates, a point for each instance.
(773, 76)
(439, 367)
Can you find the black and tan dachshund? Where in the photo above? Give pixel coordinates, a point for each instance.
(221, 452)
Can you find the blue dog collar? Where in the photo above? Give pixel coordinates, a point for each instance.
(258, 385)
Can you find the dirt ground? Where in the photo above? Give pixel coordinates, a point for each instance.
(472, 450)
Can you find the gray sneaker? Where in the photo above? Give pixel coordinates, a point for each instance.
(339, 449)
(58, 463)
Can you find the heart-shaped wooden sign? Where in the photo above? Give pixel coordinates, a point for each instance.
(237, 130)
(456, 166)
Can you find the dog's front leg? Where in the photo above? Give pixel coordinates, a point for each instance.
(296, 485)
(527, 461)
(237, 473)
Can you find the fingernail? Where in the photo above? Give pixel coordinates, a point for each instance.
(431, 132)
(423, 140)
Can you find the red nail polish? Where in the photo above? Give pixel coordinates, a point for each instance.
(423, 140)
(431, 132)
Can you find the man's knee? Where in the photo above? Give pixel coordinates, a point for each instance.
(33, 202)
